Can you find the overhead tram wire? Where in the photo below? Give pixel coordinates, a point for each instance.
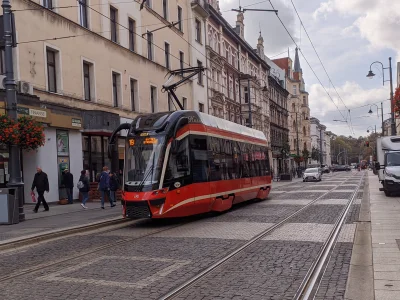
(308, 63)
(319, 58)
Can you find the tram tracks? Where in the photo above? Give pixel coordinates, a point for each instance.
(123, 241)
(308, 284)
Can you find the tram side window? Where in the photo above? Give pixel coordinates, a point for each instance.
(178, 163)
(198, 146)
(236, 162)
(245, 160)
(216, 161)
(228, 159)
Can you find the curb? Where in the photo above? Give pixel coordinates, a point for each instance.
(35, 238)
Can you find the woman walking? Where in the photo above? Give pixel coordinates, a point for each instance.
(84, 188)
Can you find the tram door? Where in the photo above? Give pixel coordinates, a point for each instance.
(201, 172)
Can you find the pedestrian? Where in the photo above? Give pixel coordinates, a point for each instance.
(68, 180)
(41, 183)
(83, 185)
(114, 185)
(104, 187)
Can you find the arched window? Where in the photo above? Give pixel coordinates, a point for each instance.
(304, 131)
(293, 107)
(294, 125)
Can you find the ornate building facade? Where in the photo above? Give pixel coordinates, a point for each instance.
(237, 76)
(299, 110)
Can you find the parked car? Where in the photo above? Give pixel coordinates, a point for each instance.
(340, 168)
(312, 174)
(325, 169)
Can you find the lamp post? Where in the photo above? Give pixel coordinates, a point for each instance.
(371, 75)
(377, 108)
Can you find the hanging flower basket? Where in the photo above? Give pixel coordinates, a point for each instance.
(27, 133)
(396, 101)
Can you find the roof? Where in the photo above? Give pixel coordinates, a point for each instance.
(297, 67)
(282, 63)
(219, 123)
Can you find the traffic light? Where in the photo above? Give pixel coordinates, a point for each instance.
(367, 143)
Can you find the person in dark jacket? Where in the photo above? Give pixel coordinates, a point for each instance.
(85, 189)
(114, 185)
(68, 180)
(104, 186)
(41, 183)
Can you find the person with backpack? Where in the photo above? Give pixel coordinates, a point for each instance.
(104, 187)
(84, 188)
(114, 185)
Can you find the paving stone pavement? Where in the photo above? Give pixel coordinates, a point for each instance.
(148, 266)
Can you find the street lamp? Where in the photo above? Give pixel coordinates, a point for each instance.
(371, 75)
(377, 108)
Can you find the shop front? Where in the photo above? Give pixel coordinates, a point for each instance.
(97, 128)
(62, 148)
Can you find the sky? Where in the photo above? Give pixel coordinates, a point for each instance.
(348, 36)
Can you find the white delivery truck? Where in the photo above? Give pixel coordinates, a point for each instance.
(388, 163)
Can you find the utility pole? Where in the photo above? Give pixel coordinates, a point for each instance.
(393, 121)
(11, 98)
(320, 146)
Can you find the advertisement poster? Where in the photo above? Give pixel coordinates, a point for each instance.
(62, 143)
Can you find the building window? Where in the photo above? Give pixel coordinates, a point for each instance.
(294, 90)
(83, 13)
(184, 103)
(180, 25)
(181, 60)
(116, 83)
(150, 52)
(86, 81)
(246, 95)
(113, 24)
(48, 4)
(166, 51)
(51, 70)
(133, 83)
(200, 76)
(198, 30)
(165, 9)
(304, 100)
(153, 98)
(201, 107)
(132, 30)
(149, 3)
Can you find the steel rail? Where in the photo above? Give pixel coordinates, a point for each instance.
(187, 284)
(308, 284)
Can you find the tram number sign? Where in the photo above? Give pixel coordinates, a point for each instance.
(131, 142)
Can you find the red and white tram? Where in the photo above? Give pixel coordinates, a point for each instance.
(185, 163)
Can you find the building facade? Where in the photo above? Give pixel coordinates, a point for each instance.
(319, 145)
(237, 75)
(87, 69)
(299, 110)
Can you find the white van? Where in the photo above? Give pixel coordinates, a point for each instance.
(388, 164)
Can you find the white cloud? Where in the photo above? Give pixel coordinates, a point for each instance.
(354, 96)
(377, 20)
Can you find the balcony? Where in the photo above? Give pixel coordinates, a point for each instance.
(199, 6)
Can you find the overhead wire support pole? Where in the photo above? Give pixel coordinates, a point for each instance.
(11, 98)
(170, 88)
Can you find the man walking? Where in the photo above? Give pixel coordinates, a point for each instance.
(104, 187)
(41, 183)
(68, 179)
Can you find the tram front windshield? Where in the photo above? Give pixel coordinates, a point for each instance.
(143, 162)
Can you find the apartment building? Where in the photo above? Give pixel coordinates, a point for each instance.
(84, 67)
(299, 110)
(237, 75)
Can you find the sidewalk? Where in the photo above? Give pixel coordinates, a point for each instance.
(58, 217)
(385, 235)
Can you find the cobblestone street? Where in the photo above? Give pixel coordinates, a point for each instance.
(147, 259)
